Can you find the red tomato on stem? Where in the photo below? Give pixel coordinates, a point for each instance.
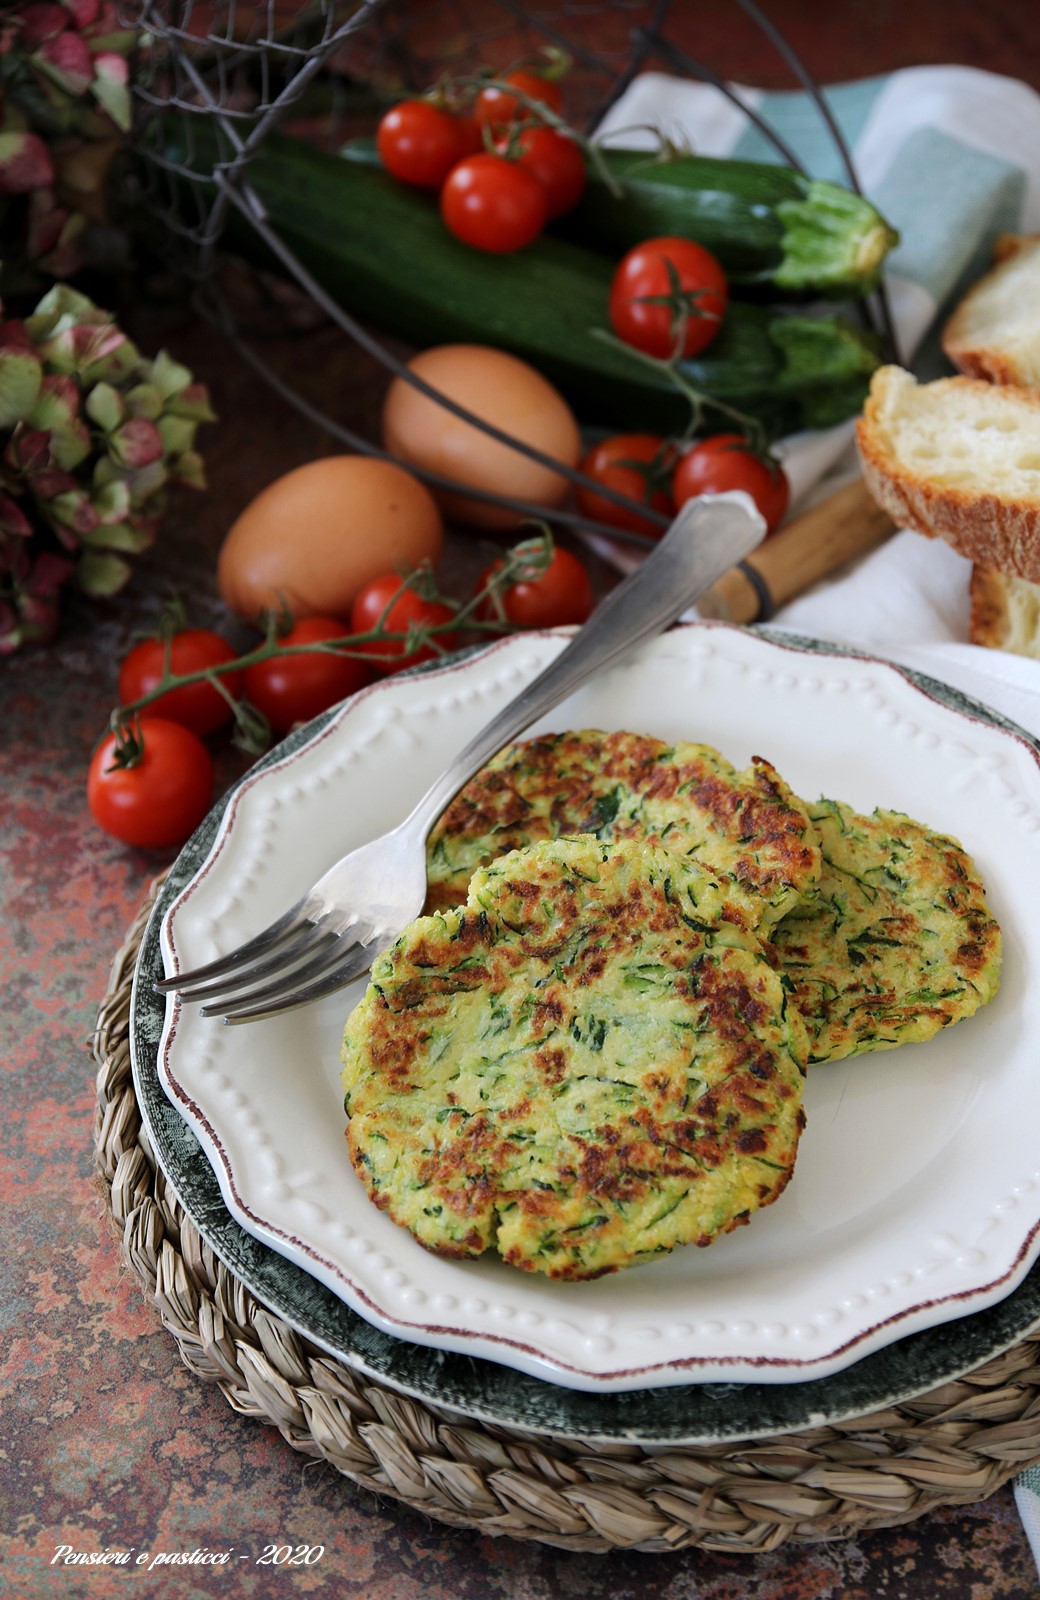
(497, 108)
(638, 465)
(198, 706)
(556, 160)
(158, 802)
(493, 204)
(407, 608)
(555, 598)
(668, 297)
(419, 143)
(726, 461)
(291, 689)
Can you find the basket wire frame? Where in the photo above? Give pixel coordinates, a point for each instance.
(248, 67)
(934, 1450)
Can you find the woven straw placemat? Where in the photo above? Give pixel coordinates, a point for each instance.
(952, 1446)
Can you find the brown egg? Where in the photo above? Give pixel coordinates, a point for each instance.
(501, 390)
(312, 539)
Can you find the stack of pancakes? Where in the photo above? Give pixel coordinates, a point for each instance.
(593, 1047)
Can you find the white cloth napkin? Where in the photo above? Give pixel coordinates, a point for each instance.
(951, 156)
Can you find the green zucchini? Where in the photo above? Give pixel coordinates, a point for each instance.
(382, 252)
(768, 225)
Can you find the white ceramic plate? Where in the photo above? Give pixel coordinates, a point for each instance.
(916, 1196)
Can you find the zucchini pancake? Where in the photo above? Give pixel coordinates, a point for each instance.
(747, 827)
(586, 1065)
(899, 943)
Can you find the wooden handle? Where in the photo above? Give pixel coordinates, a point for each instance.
(845, 525)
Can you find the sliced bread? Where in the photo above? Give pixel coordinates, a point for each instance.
(958, 459)
(995, 331)
(1005, 612)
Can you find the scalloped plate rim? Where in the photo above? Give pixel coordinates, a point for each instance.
(672, 1370)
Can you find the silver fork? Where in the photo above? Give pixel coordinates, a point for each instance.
(372, 893)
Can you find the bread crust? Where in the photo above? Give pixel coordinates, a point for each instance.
(1007, 245)
(989, 616)
(989, 529)
(983, 336)
(994, 366)
(1005, 612)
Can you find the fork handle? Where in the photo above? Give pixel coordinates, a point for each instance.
(708, 536)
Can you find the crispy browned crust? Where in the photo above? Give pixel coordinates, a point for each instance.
(987, 529)
(1007, 245)
(485, 1111)
(990, 365)
(962, 334)
(989, 618)
(555, 785)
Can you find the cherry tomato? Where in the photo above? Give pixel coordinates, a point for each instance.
(560, 595)
(420, 143)
(291, 689)
(497, 108)
(198, 706)
(668, 296)
(160, 801)
(638, 465)
(493, 204)
(555, 160)
(406, 608)
(726, 461)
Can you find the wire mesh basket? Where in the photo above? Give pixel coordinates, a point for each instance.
(224, 75)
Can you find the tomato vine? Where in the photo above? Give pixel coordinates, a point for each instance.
(252, 732)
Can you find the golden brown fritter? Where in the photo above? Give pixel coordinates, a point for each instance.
(899, 943)
(747, 827)
(585, 1066)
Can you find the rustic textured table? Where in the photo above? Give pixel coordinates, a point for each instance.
(109, 1441)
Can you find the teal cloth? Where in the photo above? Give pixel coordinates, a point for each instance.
(949, 155)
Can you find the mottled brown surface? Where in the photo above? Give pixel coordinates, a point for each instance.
(109, 1441)
(624, 1077)
(901, 942)
(746, 827)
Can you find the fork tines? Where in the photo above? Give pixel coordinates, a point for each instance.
(305, 958)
